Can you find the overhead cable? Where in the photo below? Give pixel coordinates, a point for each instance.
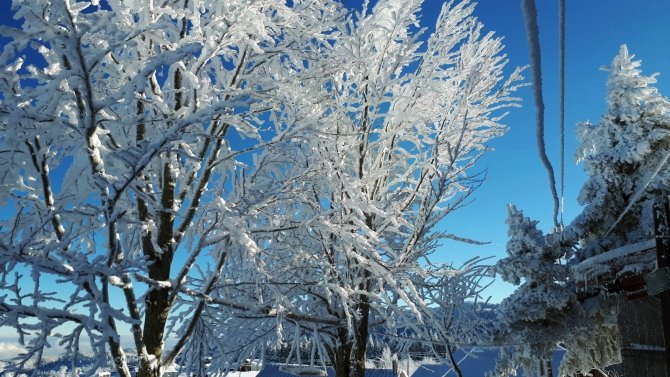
(561, 74)
(533, 34)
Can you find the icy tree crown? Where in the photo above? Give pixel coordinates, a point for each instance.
(627, 89)
(624, 150)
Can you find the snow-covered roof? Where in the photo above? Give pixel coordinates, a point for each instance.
(632, 259)
(276, 370)
(252, 373)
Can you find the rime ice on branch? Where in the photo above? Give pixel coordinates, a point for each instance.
(235, 174)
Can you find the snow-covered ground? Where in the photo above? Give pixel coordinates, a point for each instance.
(243, 374)
(477, 365)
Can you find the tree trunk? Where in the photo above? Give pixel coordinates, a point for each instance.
(158, 301)
(342, 353)
(362, 332)
(156, 315)
(546, 368)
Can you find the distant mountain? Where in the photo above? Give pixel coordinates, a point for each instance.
(84, 363)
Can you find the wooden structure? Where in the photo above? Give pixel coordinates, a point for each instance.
(642, 349)
(641, 274)
(620, 270)
(661, 277)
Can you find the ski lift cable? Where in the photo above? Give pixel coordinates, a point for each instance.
(561, 73)
(532, 33)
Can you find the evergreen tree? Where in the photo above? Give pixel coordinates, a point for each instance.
(621, 154)
(544, 311)
(531, 316)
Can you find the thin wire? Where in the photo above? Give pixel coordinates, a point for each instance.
(533, 34)
(639, 193)
(561, 73)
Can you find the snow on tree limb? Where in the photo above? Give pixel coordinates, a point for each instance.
(261, 169)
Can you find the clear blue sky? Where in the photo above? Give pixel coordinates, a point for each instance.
(594, 30)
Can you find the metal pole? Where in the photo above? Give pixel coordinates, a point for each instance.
(662, 230)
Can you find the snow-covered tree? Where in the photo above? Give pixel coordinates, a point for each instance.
(539, 305)
(625, 157)
(214, 176)
(625, 153)
(544, 312)
(403, 125)
(125, 129)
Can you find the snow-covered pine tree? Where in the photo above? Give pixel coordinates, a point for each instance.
(544, 312)
(530, 319)
(625, 157)
(621, 154)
